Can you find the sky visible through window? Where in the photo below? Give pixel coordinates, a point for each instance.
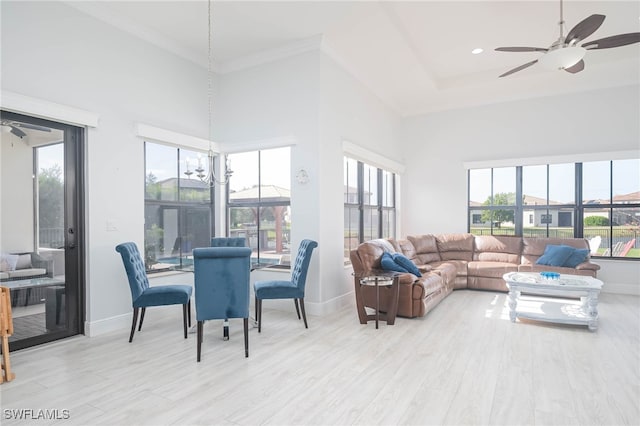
(51, 155)
(596, 177)
(244, 165)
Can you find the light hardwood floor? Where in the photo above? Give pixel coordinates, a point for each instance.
(464, 363)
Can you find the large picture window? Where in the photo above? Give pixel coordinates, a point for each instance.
(597, 200)
(258, 202)
(369, 204)
(178, 208)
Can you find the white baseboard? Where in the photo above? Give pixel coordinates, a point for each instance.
(331, 306)
(119, 322)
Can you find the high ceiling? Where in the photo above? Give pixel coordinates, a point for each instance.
(415, 56)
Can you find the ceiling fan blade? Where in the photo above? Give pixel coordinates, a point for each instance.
(613, 41)
(575, 68)
(32, 127)
(584, 29)
(18, 132)
(521, 49)
(520, 68)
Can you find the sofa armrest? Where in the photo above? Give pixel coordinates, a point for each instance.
(588, 266)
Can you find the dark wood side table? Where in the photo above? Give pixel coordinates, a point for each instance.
(375, 282)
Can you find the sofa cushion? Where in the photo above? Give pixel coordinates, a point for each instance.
(455, 246)
(533, 248)
(560, 269)
(493, 248)
(577, 257)
(8, 262)
(449, 271)
(427, 285)
(27, 273)
(490, 269)
(24, 261)
(407, 264)
(388, 263)
(555, 255)
(406, 247)
(370, 253)
(426, 248)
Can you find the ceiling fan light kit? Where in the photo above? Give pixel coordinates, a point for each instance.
(564, 53)
(562, 58)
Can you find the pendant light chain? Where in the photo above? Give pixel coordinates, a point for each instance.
(209, 70)
(210, 178)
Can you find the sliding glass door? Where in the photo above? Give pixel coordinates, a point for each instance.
(41, 230)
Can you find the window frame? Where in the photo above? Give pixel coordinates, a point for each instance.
(380, 209)
(578, 208)
(182, 207)
(259, 206)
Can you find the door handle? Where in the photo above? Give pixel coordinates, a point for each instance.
(72, 244)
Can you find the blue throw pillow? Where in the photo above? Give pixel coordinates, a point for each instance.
(407, 264)
(577, 257)
(387, 263)
(555, 255)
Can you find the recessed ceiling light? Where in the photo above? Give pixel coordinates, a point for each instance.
(477, 50)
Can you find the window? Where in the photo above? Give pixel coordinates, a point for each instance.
(493, 193)
(258, 203)
(178, 208)
(591, 199)
(611, 206)
(369, 204)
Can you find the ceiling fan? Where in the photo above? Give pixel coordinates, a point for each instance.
(564, 53)
(14, 127)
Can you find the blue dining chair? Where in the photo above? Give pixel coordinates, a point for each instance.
(221, 280)
(293, 289)
(144, 296)
(227, 242)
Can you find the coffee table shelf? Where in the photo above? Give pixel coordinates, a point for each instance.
(571, 299)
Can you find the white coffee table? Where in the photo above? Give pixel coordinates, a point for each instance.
(572, 299)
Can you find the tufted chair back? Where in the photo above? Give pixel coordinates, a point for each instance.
(228, 242)
(134, 266)
(301, 265)
(222, 282)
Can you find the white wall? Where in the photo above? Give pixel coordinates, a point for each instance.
(348, 112)
(311, 101)
(53, 52)
(277, 103)
(576, 124)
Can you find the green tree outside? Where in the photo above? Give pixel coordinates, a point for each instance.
(499, 216)
(596, 221)
(51, 200)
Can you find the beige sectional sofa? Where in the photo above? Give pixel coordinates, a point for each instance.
(449, 262)
(22, 266)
